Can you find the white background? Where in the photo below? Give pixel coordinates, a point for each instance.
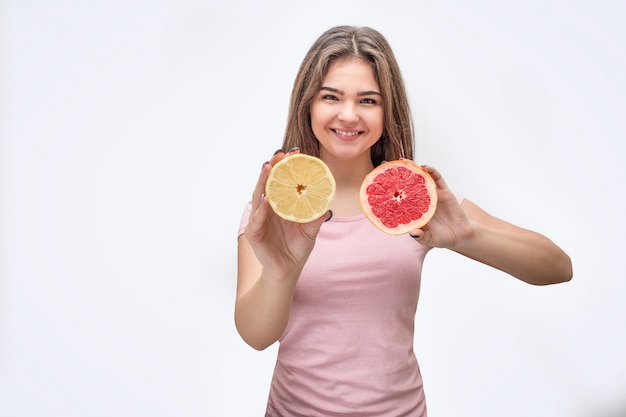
(132, 133)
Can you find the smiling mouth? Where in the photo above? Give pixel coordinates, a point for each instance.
(344, 133)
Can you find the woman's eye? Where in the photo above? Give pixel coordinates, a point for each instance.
(329, 97)
(368, 101)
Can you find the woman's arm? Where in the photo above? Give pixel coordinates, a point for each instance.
(467, 229)
(271, 255)
(524, 254)
(263, 299)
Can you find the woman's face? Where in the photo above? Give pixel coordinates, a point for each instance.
(347, 113)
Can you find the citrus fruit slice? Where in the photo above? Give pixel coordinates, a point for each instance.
(300, 188)
(398, 196)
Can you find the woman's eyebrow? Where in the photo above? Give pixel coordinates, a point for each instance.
(360, 93)
(332, 90)
(368, 93)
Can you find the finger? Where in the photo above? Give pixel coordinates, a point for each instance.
(312, 228)
(416, 233)
(422, 236)
(258, 219)
(436, 176)
(259, 189)
(278, 155)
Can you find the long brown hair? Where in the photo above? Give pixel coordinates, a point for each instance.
(357, 42)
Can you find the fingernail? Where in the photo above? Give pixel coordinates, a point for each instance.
(295, 148)
(277, 151)
(264, 163)
(330, 216)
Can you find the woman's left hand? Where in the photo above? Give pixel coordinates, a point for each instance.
(467, 229)
(450, 224)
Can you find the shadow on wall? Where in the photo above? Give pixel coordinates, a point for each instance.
(615, 410)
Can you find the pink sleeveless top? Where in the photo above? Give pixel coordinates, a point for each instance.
(348, 347)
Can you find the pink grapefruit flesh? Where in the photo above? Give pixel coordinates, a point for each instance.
(398, 196)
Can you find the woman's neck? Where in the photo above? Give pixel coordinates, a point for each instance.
(349, 175)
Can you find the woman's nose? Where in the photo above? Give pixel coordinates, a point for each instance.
(348, 114)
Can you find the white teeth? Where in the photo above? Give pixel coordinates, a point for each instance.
(342, 133)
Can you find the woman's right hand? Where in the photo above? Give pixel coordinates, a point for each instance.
(281, 246)
(271, 254)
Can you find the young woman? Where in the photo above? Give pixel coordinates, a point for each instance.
(339, 295)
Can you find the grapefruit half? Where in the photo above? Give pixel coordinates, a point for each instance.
(300, 188)
(398, 196)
